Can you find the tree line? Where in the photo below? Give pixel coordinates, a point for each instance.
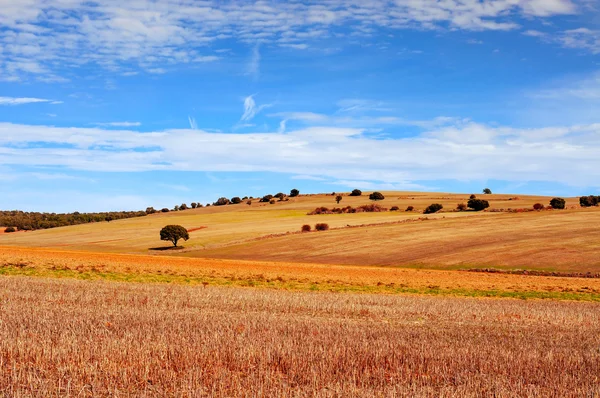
(27, 221)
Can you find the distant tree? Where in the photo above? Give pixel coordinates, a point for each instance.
(356, 192)
(294, 193)
(478, 204)
(183, 206)
(410, 208)
(174, 233)
(376, 196)
(176, 208)
(10, 230)
(433, 208)
(150, 210)
(588, 201)
(165, 210)
(558, 203)
(194, 205)
(538, 206)
(472, 197)
(280, 195)
(236, 200)
(487, 191)
(221, 202)
(306, 228)
(338, 199)
(266, 198)
(108, 218)
(394, 208)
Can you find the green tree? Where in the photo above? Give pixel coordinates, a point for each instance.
(558, 203)
(294, 193)
(356, 192)
(487, 191)
(478, 204)
(174, 233)
(338, 199)
(376, 196)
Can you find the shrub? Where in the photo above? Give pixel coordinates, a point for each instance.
(372, 208)
(280, 195)
(478, 204)
(10, 229)
(356, 192)
(558, 203)
(472, 197)
(394, 208)
(266, 199)
(321, 227)
(338, 199)
(320, 210)
(487, 191)
(294, 193)
(183, 207)
(433, 208)
(376, 196)
(249, 202)
(150, 210)
(410, 208)
(461, 207)
(538, 206)
(306, 228)
(236, 200)
(221, 202)
(272, 201)
(194, 205)
(588, 201)
(165, 210)
(174, 233)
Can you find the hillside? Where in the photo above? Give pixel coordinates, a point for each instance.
(562, 240)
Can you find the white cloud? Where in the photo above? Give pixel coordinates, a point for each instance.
(463, 151)
(253, 68)
(119, 124)
(23, 101)
(41, 37)
(582, 38)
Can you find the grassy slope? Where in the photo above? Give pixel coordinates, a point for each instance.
(549, 240)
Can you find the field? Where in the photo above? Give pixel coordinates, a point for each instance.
(382, 304)
(72, 338)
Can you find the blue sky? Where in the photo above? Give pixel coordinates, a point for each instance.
(113, 105)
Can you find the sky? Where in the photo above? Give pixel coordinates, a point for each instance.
(121, 105)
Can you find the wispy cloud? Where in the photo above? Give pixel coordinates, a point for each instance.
(193, 124)
(251, 109)
(253, 67)
(11, 101)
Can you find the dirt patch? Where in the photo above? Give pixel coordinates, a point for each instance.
(195, 229)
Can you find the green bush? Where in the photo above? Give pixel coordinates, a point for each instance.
(294, 193)
(376, 196)
(174, 233)
(558, 203)
(433, 208)
(478, 204)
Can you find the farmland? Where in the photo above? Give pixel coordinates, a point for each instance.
(382, 304)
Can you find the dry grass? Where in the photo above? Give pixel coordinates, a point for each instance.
(565, 241)
(290, 276)
(71, 338)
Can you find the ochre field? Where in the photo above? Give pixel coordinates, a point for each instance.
(382, 304)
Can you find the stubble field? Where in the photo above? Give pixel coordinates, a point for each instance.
(73, 338)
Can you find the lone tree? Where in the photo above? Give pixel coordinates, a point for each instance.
(356, 192)
(433, 208)
(294, 193)
(478, 204)
(376, 196)
(558, 203)
(338, 199)
(174, 233)
(487, 191)
(236, 200)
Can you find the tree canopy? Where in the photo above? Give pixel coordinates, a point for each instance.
(174, 233)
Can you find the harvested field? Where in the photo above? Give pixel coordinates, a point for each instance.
(74, 338)
(290, 276)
